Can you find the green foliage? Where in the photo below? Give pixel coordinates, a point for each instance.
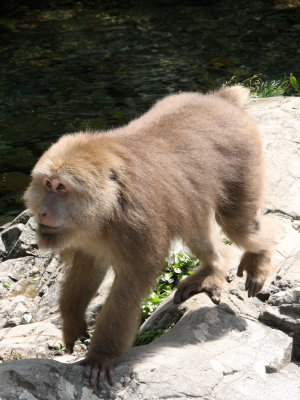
(61, 347)
(147, 337)
(6, 285)
(178, 266)
(260, 88)
(295, 84)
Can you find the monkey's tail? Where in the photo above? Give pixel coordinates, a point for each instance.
(237, 95)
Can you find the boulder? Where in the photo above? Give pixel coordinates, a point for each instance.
(279, 121)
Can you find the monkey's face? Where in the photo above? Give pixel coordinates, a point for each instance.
(67, 214)
(74, 191)
(50, 199)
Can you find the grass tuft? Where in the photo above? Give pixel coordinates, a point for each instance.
(147, 337)
(260, 88)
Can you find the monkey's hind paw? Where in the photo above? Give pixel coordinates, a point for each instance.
(257, 266)
(188, 290)
(98, 372)
(253, 284)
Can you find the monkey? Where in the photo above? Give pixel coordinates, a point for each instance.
(192, 163)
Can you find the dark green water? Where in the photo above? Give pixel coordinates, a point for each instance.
(69, 65)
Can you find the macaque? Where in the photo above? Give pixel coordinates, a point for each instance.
(120, 197)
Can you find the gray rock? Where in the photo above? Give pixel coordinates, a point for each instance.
(285, 297)
(17, 272)
(26, 243)
(206, 349)
(5, 226)
(30, 340)
(287, 249)
(283, 385)
(20, 240)
(286, 318)
(13, 309)
(21, 218)
(34, 284)
(3, 252)
(40, 379)
(283, 312)
(10, 235)
(26, 319)
(279, 121)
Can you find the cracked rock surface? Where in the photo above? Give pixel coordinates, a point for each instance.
(279, 121)
(241, 349)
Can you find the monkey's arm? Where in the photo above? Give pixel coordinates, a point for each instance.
(116, 325)
(83, 277)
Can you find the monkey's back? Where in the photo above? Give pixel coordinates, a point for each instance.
(192, 137)
(194, 153)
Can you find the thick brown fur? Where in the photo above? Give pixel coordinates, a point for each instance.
(192, 160)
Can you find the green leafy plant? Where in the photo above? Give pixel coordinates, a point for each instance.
(178, 266)
(61, 347)
(260, 88)
(147, 337)
(295, 84)
(6, 285)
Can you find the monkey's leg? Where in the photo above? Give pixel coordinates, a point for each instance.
(257, 235)
(210, 277)
(116, 324)
(83, 277)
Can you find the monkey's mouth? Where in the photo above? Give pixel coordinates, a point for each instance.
(49, 236)
(48, 229)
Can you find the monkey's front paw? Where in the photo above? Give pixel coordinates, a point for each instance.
(98, 372)
(189, 289)
(70, 347)
(73, 330)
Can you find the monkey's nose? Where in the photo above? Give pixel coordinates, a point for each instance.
(45, 219)
(42, 218)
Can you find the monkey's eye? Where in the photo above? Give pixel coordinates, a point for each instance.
(54, 184)
(47, 184)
